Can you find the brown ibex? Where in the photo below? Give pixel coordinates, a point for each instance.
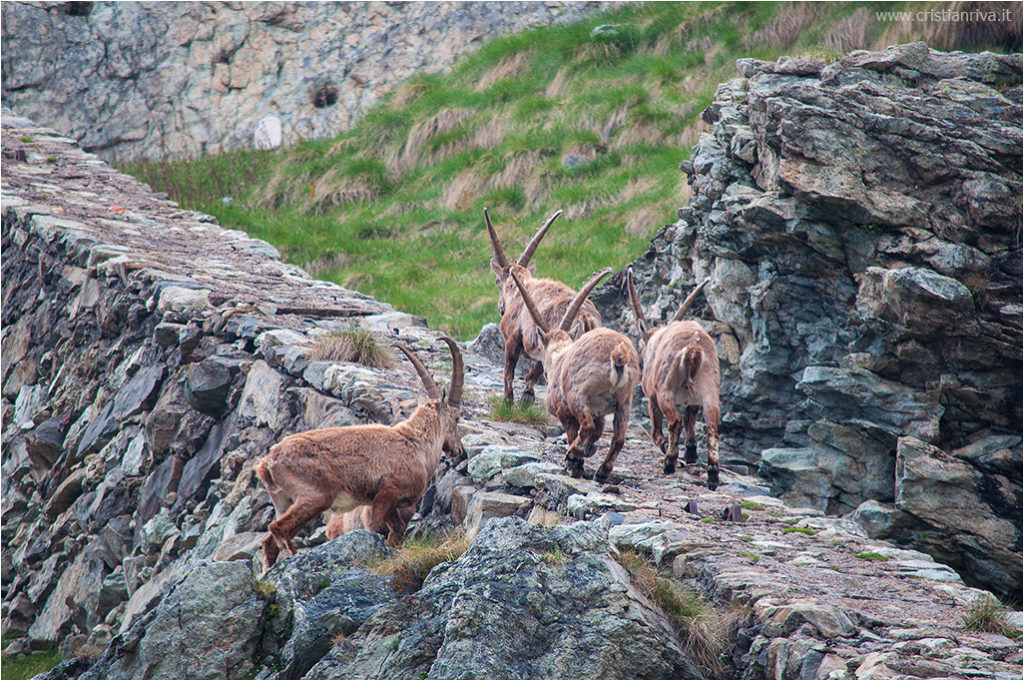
(680, 373)
(551, 297)
(588, 378)
(386, 467)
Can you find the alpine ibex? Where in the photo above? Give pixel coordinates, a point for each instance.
(386, 467)
(588, 378)
(680, 373)
(551, 297)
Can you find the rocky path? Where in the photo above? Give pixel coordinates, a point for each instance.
(814, 596)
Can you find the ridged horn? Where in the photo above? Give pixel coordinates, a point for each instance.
(528, 301)
(433, 392)
(458, 373)
(499, 253)
(531, 247)
(634, 302)
(581, 296)
(689, 300)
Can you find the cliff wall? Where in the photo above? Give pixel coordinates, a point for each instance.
(179, 80)
(859, 222)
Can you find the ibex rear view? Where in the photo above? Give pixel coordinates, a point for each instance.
(680, 374)
(551, 297)
(385, 467)
(588, 378)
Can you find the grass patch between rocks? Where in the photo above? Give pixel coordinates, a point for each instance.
(700, 627)
(410, 563)
(988, 614)
(355, 345)
(30, 665)
(517, 412)
(871, 555)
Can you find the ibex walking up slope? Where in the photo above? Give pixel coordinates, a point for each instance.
(386, 467)
(551, 297)
(588, 378)
(680, 373)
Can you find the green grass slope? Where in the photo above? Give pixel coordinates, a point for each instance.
(592, 118)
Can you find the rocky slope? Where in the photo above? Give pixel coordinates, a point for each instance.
(150, 357)
(860, 225)
(174, 80)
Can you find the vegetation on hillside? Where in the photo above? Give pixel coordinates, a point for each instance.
(592, 118)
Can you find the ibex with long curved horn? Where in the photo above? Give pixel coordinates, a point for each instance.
(680, 374)
(588, 378)
(551, 297)
(386, 467)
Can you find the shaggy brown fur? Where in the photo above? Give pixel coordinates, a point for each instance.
(588, 378)
(517, 327)
(681, 374)
(384, 467)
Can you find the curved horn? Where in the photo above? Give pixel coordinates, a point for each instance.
(634, 302)
(529, 302)
(581, 296)
(499, 253)
(524, 259)
(458, 373)
(689, 300)
(433, 392)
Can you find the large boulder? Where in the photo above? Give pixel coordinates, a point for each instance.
(208, 626)
(488, 615)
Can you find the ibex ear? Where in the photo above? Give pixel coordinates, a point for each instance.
(498, 271)
(543, 336)
(444, 395)
(532, 268)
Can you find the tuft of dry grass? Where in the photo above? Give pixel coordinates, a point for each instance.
(507, 67)
(355, 345)
(410, 564)
(700, 627)
(989, 614)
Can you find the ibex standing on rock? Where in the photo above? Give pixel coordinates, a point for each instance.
(385, 467)
(680, 373)
(588, 378)
(551, 297)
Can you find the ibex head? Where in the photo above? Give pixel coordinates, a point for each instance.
(447, 404)
(559, 336)
(500, 263)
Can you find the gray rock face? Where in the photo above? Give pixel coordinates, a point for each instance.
(969, 518)
(114, 76)
(483, 616)
(322, 593)
(207, 627)
(857, 222)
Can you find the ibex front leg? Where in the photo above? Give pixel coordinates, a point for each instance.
(513, 348)
(536, 373)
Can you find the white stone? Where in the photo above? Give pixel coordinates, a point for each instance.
(268, 133)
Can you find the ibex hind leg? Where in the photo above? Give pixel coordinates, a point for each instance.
(689, 423)
(618, 440)
(675, 426)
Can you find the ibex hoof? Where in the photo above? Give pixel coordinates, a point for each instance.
(527, 398)
(670, 466)
(602, 475)
(713, 479)
(691, 452)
